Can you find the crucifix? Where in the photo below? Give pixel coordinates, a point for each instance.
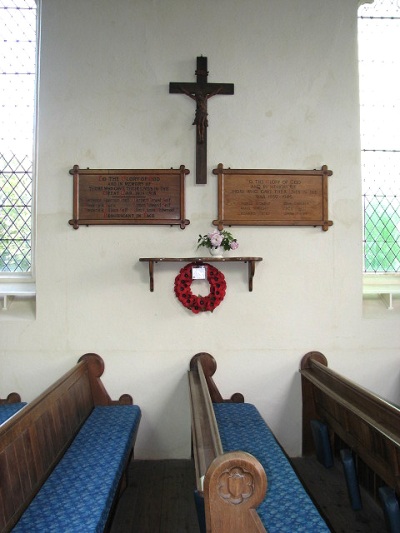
(201, 91)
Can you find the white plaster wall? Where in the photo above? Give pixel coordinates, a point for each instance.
(104, 103)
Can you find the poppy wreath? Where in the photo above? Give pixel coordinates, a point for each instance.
(197, 304)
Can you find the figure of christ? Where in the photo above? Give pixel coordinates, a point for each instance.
(200, 119)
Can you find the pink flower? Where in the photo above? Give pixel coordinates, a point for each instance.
(234, 245)
(215, 238)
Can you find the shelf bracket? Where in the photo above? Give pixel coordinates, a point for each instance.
(151, 274)
(251, 271)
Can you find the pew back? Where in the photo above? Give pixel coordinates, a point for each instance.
(368, 424)
(35, 439)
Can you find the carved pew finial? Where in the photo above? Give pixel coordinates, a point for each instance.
(209, 366)
(313, 356)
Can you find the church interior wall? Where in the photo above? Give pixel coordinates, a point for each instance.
(104, 103)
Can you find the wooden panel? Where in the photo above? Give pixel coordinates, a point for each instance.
(29, 468)
(128, 196)
(27, 478)
(254, 197)
(8, 484)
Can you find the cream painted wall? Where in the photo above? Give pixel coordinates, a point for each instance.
(104, 103)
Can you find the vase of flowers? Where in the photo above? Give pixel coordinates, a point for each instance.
(217, 242)
(216, 251)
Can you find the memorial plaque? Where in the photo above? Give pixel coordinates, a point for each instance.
(129, 197)
(252, 197)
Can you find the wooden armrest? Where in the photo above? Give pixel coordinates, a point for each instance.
(205, 436)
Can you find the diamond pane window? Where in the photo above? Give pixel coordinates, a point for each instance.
(379, 67)
(17, 116)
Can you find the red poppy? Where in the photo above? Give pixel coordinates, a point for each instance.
(197, 304)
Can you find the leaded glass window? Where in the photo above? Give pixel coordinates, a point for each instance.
(379, 67)
(17, 127)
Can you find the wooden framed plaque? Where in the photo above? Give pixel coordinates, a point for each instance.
(129, 197)
(252, 197)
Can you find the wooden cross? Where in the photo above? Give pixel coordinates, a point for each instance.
(201, 91)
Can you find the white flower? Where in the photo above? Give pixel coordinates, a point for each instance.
(215, 238)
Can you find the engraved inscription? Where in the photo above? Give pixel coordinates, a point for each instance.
(273, 197)
(129, 197)
(255, 197)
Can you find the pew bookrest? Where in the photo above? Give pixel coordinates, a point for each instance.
(357, 419)
(244, 479)
(63, 458)
(9, 406)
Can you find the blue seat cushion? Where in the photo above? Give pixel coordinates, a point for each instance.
(9, 409)
(286, 508)
(78, 495)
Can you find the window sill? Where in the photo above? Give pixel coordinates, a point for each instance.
(18, 300)
(384, 286)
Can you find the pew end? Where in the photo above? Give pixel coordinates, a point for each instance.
(234, 486)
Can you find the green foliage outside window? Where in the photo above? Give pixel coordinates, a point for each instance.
(382, 235)
(15, 221)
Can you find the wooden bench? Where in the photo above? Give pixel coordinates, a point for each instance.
(358, 419)
(64, 456)
(244, 479)
(9, 406)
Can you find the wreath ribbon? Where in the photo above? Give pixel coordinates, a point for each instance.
(197, 304)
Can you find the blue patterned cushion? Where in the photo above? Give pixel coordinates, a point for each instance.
(78, 495)
(286, 508)
(9, 409)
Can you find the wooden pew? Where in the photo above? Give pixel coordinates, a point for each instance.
(366, 423)
(222, 514)
(235, 493)
(34, 440)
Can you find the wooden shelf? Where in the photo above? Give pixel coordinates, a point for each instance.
(201, 260)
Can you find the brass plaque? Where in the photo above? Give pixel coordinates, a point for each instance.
(252, 197)
(139, 197)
